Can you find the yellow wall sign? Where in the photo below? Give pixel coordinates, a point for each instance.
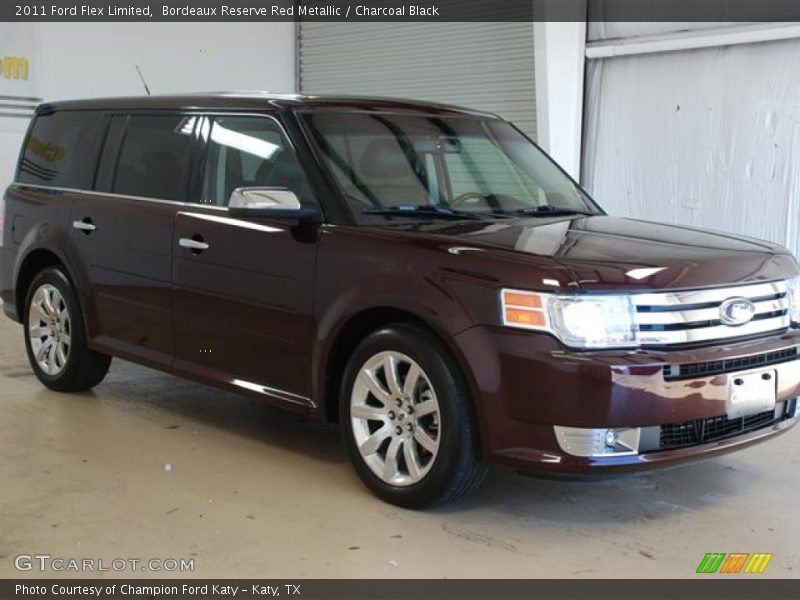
(14, 67)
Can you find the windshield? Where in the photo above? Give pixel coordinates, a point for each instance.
(420, 166)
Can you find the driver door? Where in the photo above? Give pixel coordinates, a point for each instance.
(242, 287)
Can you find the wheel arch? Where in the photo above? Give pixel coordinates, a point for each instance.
(357, 327)
(31, 264)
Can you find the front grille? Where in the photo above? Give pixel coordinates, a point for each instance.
(692, 317)
(704, 431)
(716, 367)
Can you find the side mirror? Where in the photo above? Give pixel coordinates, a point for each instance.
(268, 203)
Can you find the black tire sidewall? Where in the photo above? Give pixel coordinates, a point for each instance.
(456, 442)
(58, 279)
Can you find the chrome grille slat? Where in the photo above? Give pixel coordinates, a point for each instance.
(704, 314)
(718, 295)
(688, 317)
(719, 332)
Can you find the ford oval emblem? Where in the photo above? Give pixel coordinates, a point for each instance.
(736, 311)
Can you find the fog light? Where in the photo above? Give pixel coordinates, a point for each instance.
(579, 441)
(611, 438)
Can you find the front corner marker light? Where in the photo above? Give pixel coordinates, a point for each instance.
(523, 309)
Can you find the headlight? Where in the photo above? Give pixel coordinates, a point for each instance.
(579, 321)
(794, 300)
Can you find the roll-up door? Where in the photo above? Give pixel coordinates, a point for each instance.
(485, 66)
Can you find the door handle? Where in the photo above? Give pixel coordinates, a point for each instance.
(86, 225)
(195, 245)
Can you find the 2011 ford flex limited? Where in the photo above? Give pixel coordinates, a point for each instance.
(422, 274)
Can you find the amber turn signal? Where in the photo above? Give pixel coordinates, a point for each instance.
(523, 309)
(529, 300)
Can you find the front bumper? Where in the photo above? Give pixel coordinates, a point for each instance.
(526, 384)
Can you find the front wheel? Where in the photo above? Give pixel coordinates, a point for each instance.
(407, 420)
(55, 338)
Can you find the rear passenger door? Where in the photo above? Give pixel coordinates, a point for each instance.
(56, 165)
(242, 299)
(122, 234)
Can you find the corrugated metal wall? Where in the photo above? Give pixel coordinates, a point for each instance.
(486, 66)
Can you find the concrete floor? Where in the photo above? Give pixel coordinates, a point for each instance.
(251, 491)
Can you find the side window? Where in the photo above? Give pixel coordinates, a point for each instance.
(249, 152)
(108, 156)
(59, 150)
(155, 156)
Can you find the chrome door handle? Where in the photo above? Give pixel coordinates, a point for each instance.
(85, 226)
(194, 245)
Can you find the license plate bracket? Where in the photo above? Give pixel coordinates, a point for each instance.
(751, 393)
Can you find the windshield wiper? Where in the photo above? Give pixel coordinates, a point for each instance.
(549, 211)
(436, 212)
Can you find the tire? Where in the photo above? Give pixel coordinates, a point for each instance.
(413, 444)
(53, 311)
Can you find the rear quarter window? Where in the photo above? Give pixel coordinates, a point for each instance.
(59, 150)
(155, 156)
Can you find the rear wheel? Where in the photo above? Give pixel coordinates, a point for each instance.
(407, 420)
(55, 338)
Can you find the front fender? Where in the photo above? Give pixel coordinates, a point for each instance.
(444, 317)
(352, 281)
(421, 299)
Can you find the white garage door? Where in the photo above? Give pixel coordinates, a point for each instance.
(485, 66)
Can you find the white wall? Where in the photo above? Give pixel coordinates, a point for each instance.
(559, 54)
(80, 60)
(708, 138)
(18, 92)
(91, 59)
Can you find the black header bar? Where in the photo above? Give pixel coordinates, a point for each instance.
(401, 10)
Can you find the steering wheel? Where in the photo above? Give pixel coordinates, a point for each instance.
(475, 200)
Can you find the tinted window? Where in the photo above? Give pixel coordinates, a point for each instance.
(479, 167)
(248, 152)
(108, 156)
(154, 157)
(59, 150)
(456, 163)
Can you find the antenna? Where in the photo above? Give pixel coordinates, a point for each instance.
(144, 83)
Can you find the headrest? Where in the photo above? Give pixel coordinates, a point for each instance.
(162, 160)
(384, 159)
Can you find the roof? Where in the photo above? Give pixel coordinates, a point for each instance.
(260, 101)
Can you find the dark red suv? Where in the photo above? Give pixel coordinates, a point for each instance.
(423, 274)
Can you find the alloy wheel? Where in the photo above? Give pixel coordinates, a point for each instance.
(395, 418)
(49, 329)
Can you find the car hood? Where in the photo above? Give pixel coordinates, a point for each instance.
(605, 252)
